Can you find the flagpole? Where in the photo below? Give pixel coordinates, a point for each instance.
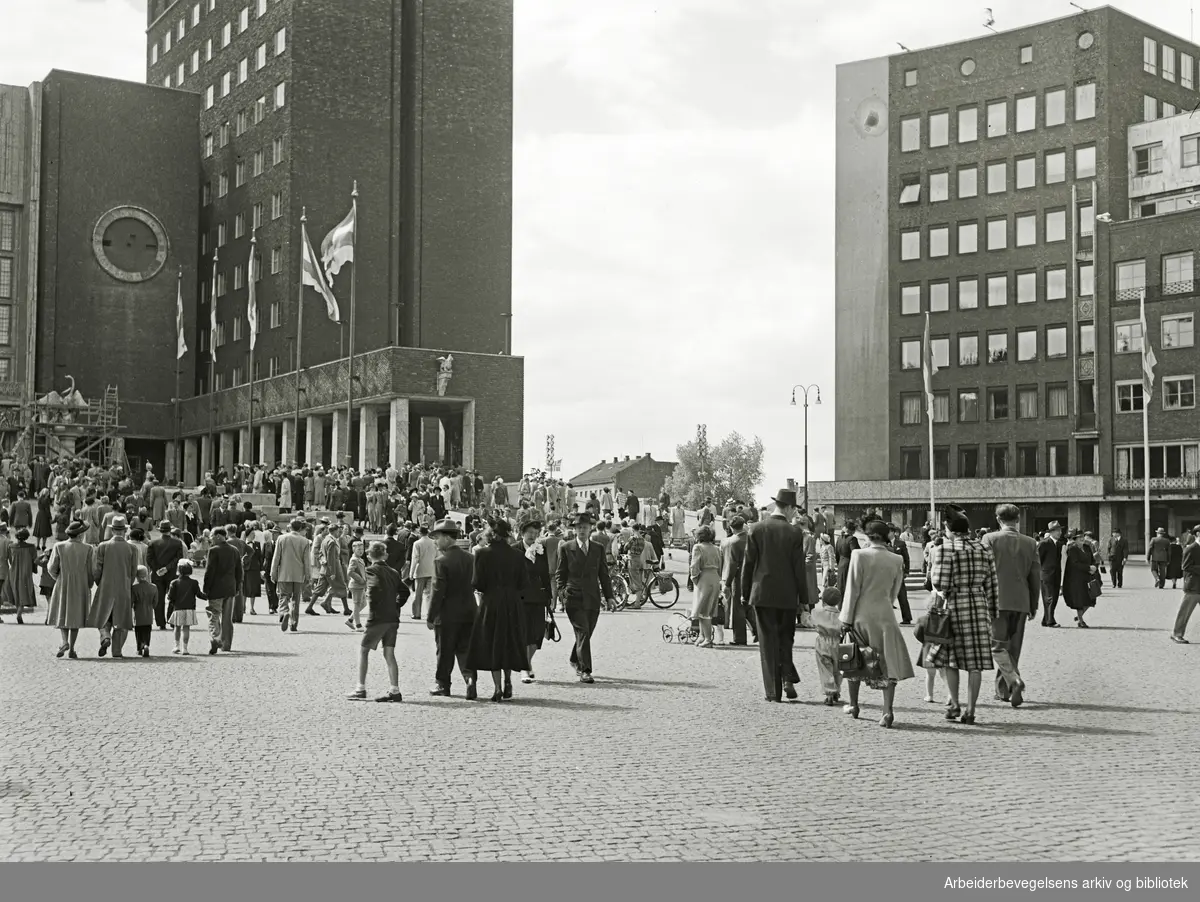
(350, 360)
(927, 367)
(253, 324)
(212, 369)
(177, 462)
(1147, 394)
(299, 339)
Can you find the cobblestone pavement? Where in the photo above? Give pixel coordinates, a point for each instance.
(670, 755)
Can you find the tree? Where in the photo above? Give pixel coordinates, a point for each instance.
(733, 469)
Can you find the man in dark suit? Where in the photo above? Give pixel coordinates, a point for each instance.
(1191, 586)
(582, 580)
(1117, 553)
(1050, 562)
(222, 583)
(900, 547)
(774, 582)
(1018, 581)
(1159, 556)
(162, 558)
(733, 555)
(451, 607)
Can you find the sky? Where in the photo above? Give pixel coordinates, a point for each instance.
(673, 201)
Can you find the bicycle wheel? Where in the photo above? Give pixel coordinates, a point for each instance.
(620, 592)
(664, 591)
(667, 634)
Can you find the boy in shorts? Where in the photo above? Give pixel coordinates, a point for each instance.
(386, 595)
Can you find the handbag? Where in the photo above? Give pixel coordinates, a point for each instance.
(718, 618)
(1095, 589)
(552, 633)
(856, 659)
(937, 622)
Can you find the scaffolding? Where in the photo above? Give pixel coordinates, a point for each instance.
(57, 427)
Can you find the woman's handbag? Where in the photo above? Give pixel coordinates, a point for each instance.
(552, 633)
(937, 622)
(856, 659)
(718, 618)
(1095, 588)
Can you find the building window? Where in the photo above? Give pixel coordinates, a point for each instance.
(196, 15)
(1056, 401)
(226, 84)
(1168, 110)
(939, 241)
(239, 122)
(222, 234)
(997, 234)
(910, 189)
(910, 463)
(258, 215)
(209, 97)
(1026, 229)
(910, 245)
(235, 378)
(260, 57)
(208, 145)
(243, 71)
(1056, 107)
(1168, 62)
(275, 317)
(1087, 339)
(910, 299)
(968, 124)
(1128, 337)
(1186, 68)
(997, 347)
(220, 293)
(280, 41)
(226, 34)
(968, 406)
(277, 151)
(1056, 342)
(262, 8)
(1147, 160)
(239, 282)
(1150, 56)
(968, 461)
(1087, 220)
(910, 78)
(968, 294)
(243, 19)
(997, 119)
(1027, 403)
(206, 194)
(1026, 54)
(167, 82)
(1056, 226)
(997, 287)
(1027, 113)
(223, 131)
(1191, 150)
(968, 237)
(910, 134)
(1056, 166)
(1178, 331)
(1177, 273)
(997, 177)
(997, 403)
(180, 73)
(260, 110)
(239, 229)
(1085, 101)
(939, 187)
(239, 174)
(941, 407)
(1026, 287)
(195, 61)
(939, 297)
(997, 461)
(276, 205)
(1056, 458)
(218, 381)
(1130, 397)
(280, 95)
(1056, 283)
(6, 279)
(1085, 162)
(258, 163)
(1179, 392)
(939, 350)
(223, 184)
(167, 42)
(910, 409)
(968, 181)
(1026, 172)
(968, 350)
(1086, 282)
(1027, 456)
(1026, 345)
(939, 129)
(910, 354)
(154, 55)
(237, 323)
(1131, 275)
(1149, 108)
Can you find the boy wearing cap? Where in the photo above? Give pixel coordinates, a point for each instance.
(386, 595)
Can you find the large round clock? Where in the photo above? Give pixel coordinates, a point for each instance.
(130, 244)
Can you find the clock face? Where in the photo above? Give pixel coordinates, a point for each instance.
(1086, 40)
(967, 67)
(130, 244)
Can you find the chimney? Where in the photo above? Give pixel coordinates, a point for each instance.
(627, 457)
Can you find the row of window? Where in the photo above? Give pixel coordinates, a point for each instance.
(1024, 54)
(239, 224)
(998, 462)
(243, 120)
(996, 118)
(1024, 229)
(1165, 64)
(6, 321)
(243, 170)
(279, 96)
(171, 37)
(237, 375)
(1024, 169)
(5, 369)
(1153, 108)
(8, 246)
(1168, 460)
(239, 273)
(177, 79)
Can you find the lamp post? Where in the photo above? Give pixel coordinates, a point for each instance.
(806, 389)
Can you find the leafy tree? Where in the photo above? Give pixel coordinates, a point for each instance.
(733, 468)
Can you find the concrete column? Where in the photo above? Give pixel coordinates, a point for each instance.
(468, 433)
(313, 447)
(171, 471)
(1074, 516)
(341, 437)
(1108, 519)
(398, 432)
(191, 462)
(368, 437)
(207, 464)
(227, 449)
(245, 453)
(266, 443)
(289, 451)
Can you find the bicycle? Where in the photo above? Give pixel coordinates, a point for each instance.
(662, 589)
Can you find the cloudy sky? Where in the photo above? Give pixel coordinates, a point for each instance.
(673, 212)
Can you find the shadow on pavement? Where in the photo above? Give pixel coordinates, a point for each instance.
(652, 685)
(1109, 709)
(533, 701)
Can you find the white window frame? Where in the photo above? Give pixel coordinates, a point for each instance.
(1172, 333)
(995, 298)
(910, 134)
(939, 186)
(1178, 272)
(1026, 229)
(260, 58)
(243, 70)
(1023, 279)
(1052, 217)
(1026, 113)
(1153, 156)
(1002, 167)
(1066, 340)
(906, 347)
(281, 41)
(1131, 275)
(1168, 62)
(1150, 56)
(1187, 65)
(280, 95)
(196, 14)
(1050, 271)
(939, 136)
(973, 171)
(907, 237)
(226, 34)
(1085, 111)
(210, 97)
(996, 116)
(1059, 107)
(1128, 331)
(243, 19)
(939, 241)
(1182, 386)
(1025, 172)
(997, 234)
(968, 238)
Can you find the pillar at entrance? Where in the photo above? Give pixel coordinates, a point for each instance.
(1075, 516)
(191, 462)
(245, 452)
(468, 436)
(341, 438)
(226, 457)
(207, 463)
(398, 432)
(1108, 520)
(171, 469)
(368, 437)
(266, 443)
(314, 445)
(288, 452)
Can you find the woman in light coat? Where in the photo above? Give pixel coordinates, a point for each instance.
(705, 571)
(71, 566)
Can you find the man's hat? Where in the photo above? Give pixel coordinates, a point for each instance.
(1054, 524)
(583, 517)
(445, 527)
(786, 497)
(1074, 534)
(166, 526)
(1161, 531)
(118, 524)
(77, 528)
(528, 517)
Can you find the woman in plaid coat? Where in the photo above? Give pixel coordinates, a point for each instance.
(963, 571)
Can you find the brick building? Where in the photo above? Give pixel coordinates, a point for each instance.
(644, 476)
(969, 181)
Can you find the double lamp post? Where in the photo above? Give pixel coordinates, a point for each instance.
(805, 389)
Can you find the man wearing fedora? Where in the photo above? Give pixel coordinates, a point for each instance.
(774, 583)
(162, 557)
(1159, 556)
(115, 571)
(1050, 550)
(583, 583)
(222, 583)
(452, 608)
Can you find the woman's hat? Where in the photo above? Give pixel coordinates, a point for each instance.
(952, 513)
(528, 518)
(77, 528)
(445, 527)
(1074, 534)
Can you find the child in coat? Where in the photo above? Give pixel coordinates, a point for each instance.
(145, 597)
(825, 619)
(181, 606)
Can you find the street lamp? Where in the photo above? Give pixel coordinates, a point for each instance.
(806, 389)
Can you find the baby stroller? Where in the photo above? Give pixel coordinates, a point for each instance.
(680, 628)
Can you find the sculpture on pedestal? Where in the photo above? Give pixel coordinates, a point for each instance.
(445, 371)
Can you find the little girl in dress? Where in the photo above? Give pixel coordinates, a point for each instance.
(829, 633)
(181, 606)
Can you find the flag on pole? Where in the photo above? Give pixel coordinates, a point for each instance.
(1149, 361)
(338, 246)
(311, 275)
(928, 368)
(252, 305)
(212, 309)
(180, 342)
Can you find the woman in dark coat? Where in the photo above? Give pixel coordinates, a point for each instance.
(535, 597)
(42, 527)
(252, 563)
(1175, 562)
(498, 638)
(1078, 571)
(19, 590)
(845, 545)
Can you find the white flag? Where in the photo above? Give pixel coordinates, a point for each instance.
(338, 246)
(180, 342)
(252, 306)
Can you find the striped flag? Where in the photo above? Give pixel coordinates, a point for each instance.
(180, 342)
(928, 368)
(1149, 361)
(311, 275)
(338, 246)
(252, 304)
(212, 320)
